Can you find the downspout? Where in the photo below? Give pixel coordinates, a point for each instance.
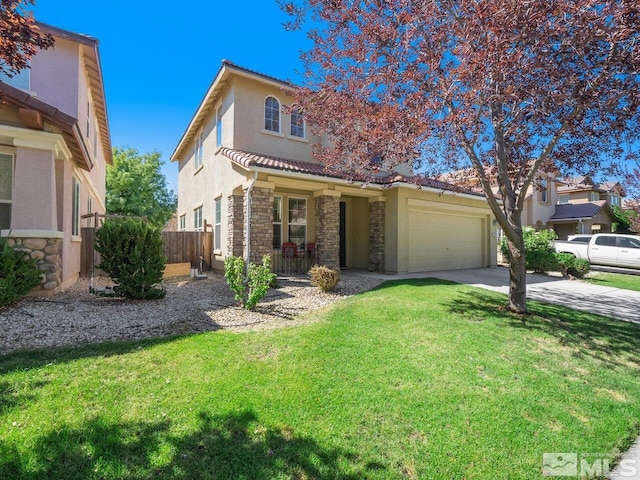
(247, 226)
(581, 226)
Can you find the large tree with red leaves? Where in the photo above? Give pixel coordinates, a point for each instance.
(509, 87)
(20, 36)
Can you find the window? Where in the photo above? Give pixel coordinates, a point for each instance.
(606, 241)
(614, 200)
(628, 242)
(594, 197)
(298, 221)
(197, 219)
(89, 211)
(218, 127)
(199, 151)
(297, 123)
(75, 207)
(544, 194)
(217, 235)
(277, 222)
(182, 226)
(88, 118)
(6, 190)
(272, 114)
(563, 199)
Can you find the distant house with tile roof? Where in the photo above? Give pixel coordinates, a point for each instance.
(53, 155)
(246, 172)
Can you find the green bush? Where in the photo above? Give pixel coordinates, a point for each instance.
(579, 268)
(324, 278)
(132, 256)
(18, 274)
(259, 280)
(538, 247)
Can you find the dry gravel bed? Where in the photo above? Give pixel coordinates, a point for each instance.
(77, 317)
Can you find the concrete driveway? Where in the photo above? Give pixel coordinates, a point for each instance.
(611, 302)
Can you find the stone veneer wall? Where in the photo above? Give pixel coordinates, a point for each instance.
(328, 230)
(261, 223)
(376, 236)
(48, 252)
(235, 218)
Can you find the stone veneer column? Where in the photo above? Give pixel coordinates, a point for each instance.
(376, 234)
(261, 223)
(235, 218)
(48, 252)
(328, 228)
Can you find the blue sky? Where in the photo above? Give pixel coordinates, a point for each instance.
(159, 57)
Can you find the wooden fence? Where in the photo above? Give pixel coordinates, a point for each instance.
(179, 247)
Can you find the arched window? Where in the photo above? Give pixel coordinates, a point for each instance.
(297, 123)
(272, 114)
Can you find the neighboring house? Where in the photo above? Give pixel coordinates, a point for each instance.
(54, 147)
(246, 172)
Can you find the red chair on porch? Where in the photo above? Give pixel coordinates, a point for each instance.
(289, 250)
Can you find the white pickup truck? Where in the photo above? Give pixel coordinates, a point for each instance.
(610, 249)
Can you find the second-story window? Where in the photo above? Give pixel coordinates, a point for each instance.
(563, 199)
(199, 153)
(183, 222)
(594, 196)
(272, 114)
(297, 123)
(544, 194)
(218, 127)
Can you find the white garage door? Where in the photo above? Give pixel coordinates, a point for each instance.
(444, 242)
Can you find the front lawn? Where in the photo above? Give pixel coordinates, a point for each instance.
(615, 280)
(416, 379)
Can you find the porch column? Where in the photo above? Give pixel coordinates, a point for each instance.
(328, 228)
(260, 221)
(376, 234)
(235, 225)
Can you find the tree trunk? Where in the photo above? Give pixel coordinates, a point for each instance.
(517, 275)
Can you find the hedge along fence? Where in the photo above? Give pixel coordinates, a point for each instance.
(178, 247)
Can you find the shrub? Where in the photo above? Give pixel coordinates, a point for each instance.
(324, 278)
(18, 274)
(579, 268)
(538, 247)
(259, 280)
(132, 256)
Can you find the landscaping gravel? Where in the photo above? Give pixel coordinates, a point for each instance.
(77, 317)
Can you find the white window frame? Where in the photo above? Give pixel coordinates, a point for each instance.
(182, 222)
(197, 219)
(269, 122)
(89, 211)
(219, 126)
(296, 111)
(561, 197)
(9, 199)
(199, 151)
(303, 223)
(544, 190)
(277, 224)
(217, 224)
(594, 196)
(75, 207)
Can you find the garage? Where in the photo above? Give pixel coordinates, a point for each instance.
(445, 241)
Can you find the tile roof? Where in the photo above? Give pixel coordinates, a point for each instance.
(249, 160)
(569, 211)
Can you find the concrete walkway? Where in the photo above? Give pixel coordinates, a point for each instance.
(607, 301)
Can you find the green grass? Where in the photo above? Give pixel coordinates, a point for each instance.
(416, 379)
(615, 280)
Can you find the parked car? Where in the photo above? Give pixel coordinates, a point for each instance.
(610, 249)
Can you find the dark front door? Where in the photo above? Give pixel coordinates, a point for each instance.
(343, 234)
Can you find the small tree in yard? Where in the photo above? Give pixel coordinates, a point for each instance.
(249, 292)
(18, 273)
(509, 88)
(132, 256)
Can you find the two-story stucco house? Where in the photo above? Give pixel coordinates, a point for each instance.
(54, 147)
(246, 169)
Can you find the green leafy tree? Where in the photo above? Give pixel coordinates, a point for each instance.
(132, 256)
(136, 187)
